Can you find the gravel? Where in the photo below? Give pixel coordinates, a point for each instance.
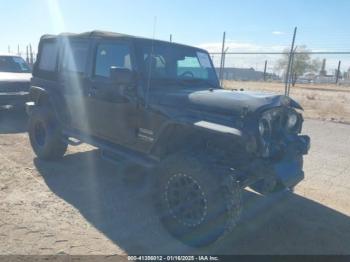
(85, 205)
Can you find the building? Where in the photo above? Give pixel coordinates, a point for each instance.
(245, 74)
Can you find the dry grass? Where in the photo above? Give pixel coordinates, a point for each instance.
(320, 101)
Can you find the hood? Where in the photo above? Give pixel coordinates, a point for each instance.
(224, 101)
(15, 77)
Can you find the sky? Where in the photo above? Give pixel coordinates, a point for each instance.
(250, 25)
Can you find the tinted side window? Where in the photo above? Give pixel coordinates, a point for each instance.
(191, 65)
(108, 55)
(48, 56)
(75, 57)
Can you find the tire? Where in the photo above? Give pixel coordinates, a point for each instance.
(196, 204)
(45, 135)
(266, 187)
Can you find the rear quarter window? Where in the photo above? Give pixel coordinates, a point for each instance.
(75, 57)
(48, 57)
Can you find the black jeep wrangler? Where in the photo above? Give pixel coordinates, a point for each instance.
(160, 105)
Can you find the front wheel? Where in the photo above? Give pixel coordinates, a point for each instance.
(45, 135)
(197, 204)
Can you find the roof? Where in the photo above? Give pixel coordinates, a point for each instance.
(98, 33)
(95, 33)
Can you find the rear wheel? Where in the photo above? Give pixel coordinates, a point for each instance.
(196, 204)
(45, 135)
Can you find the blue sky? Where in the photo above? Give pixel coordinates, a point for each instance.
(250, 24)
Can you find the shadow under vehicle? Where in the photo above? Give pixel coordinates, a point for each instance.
(160, 105)
(117, 201)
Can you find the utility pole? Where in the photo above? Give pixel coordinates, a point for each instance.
(323, 71)
(27, 55)
(18, 53)
(292, 73)
(171, 38)
(8, 49)
(289, 63)
(31, 55)
(265, 70)
(338, 73)
(223, 62)
(221, 72)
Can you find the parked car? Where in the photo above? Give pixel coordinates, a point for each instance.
(160, 104)
(15, 77)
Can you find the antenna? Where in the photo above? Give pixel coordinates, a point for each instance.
(150, 61)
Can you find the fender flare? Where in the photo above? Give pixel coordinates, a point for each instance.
(36, 93)
(41, 97)
(192, 123)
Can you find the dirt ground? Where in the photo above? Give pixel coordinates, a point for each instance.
(85, 205)
(320, 101)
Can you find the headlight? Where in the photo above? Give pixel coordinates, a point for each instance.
(292, 121)
(264, 128)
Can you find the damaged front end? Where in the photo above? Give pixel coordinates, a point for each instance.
(279, 153)
(282, 171)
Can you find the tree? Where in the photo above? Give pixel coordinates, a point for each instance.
(302, 63)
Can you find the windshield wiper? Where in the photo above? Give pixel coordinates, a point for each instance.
(173, 81)
(186, 82)
(204, 81)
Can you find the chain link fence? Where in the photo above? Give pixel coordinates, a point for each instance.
(307, 68)
(323, 88)
(28, 54)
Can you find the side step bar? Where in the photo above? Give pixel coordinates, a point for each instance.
(72, 142)
(112, 152)
(111, 157)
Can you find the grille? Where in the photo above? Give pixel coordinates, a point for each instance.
(9, 87)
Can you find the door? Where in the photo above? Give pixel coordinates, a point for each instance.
(72, 74)
(113, 109)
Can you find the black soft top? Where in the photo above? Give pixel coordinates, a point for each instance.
(91, 34)
(112, 35)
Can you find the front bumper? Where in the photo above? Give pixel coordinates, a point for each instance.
(14, 98)
(287, 170)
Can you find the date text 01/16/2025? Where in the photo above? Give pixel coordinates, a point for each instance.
(173, 258)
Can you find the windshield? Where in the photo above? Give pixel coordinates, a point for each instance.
(171, 62)
(13, 64)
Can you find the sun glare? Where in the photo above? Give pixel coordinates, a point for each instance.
(75, 99)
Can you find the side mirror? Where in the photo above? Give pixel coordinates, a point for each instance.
(121, 76)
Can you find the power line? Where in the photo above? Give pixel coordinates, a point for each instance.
(283, 53)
